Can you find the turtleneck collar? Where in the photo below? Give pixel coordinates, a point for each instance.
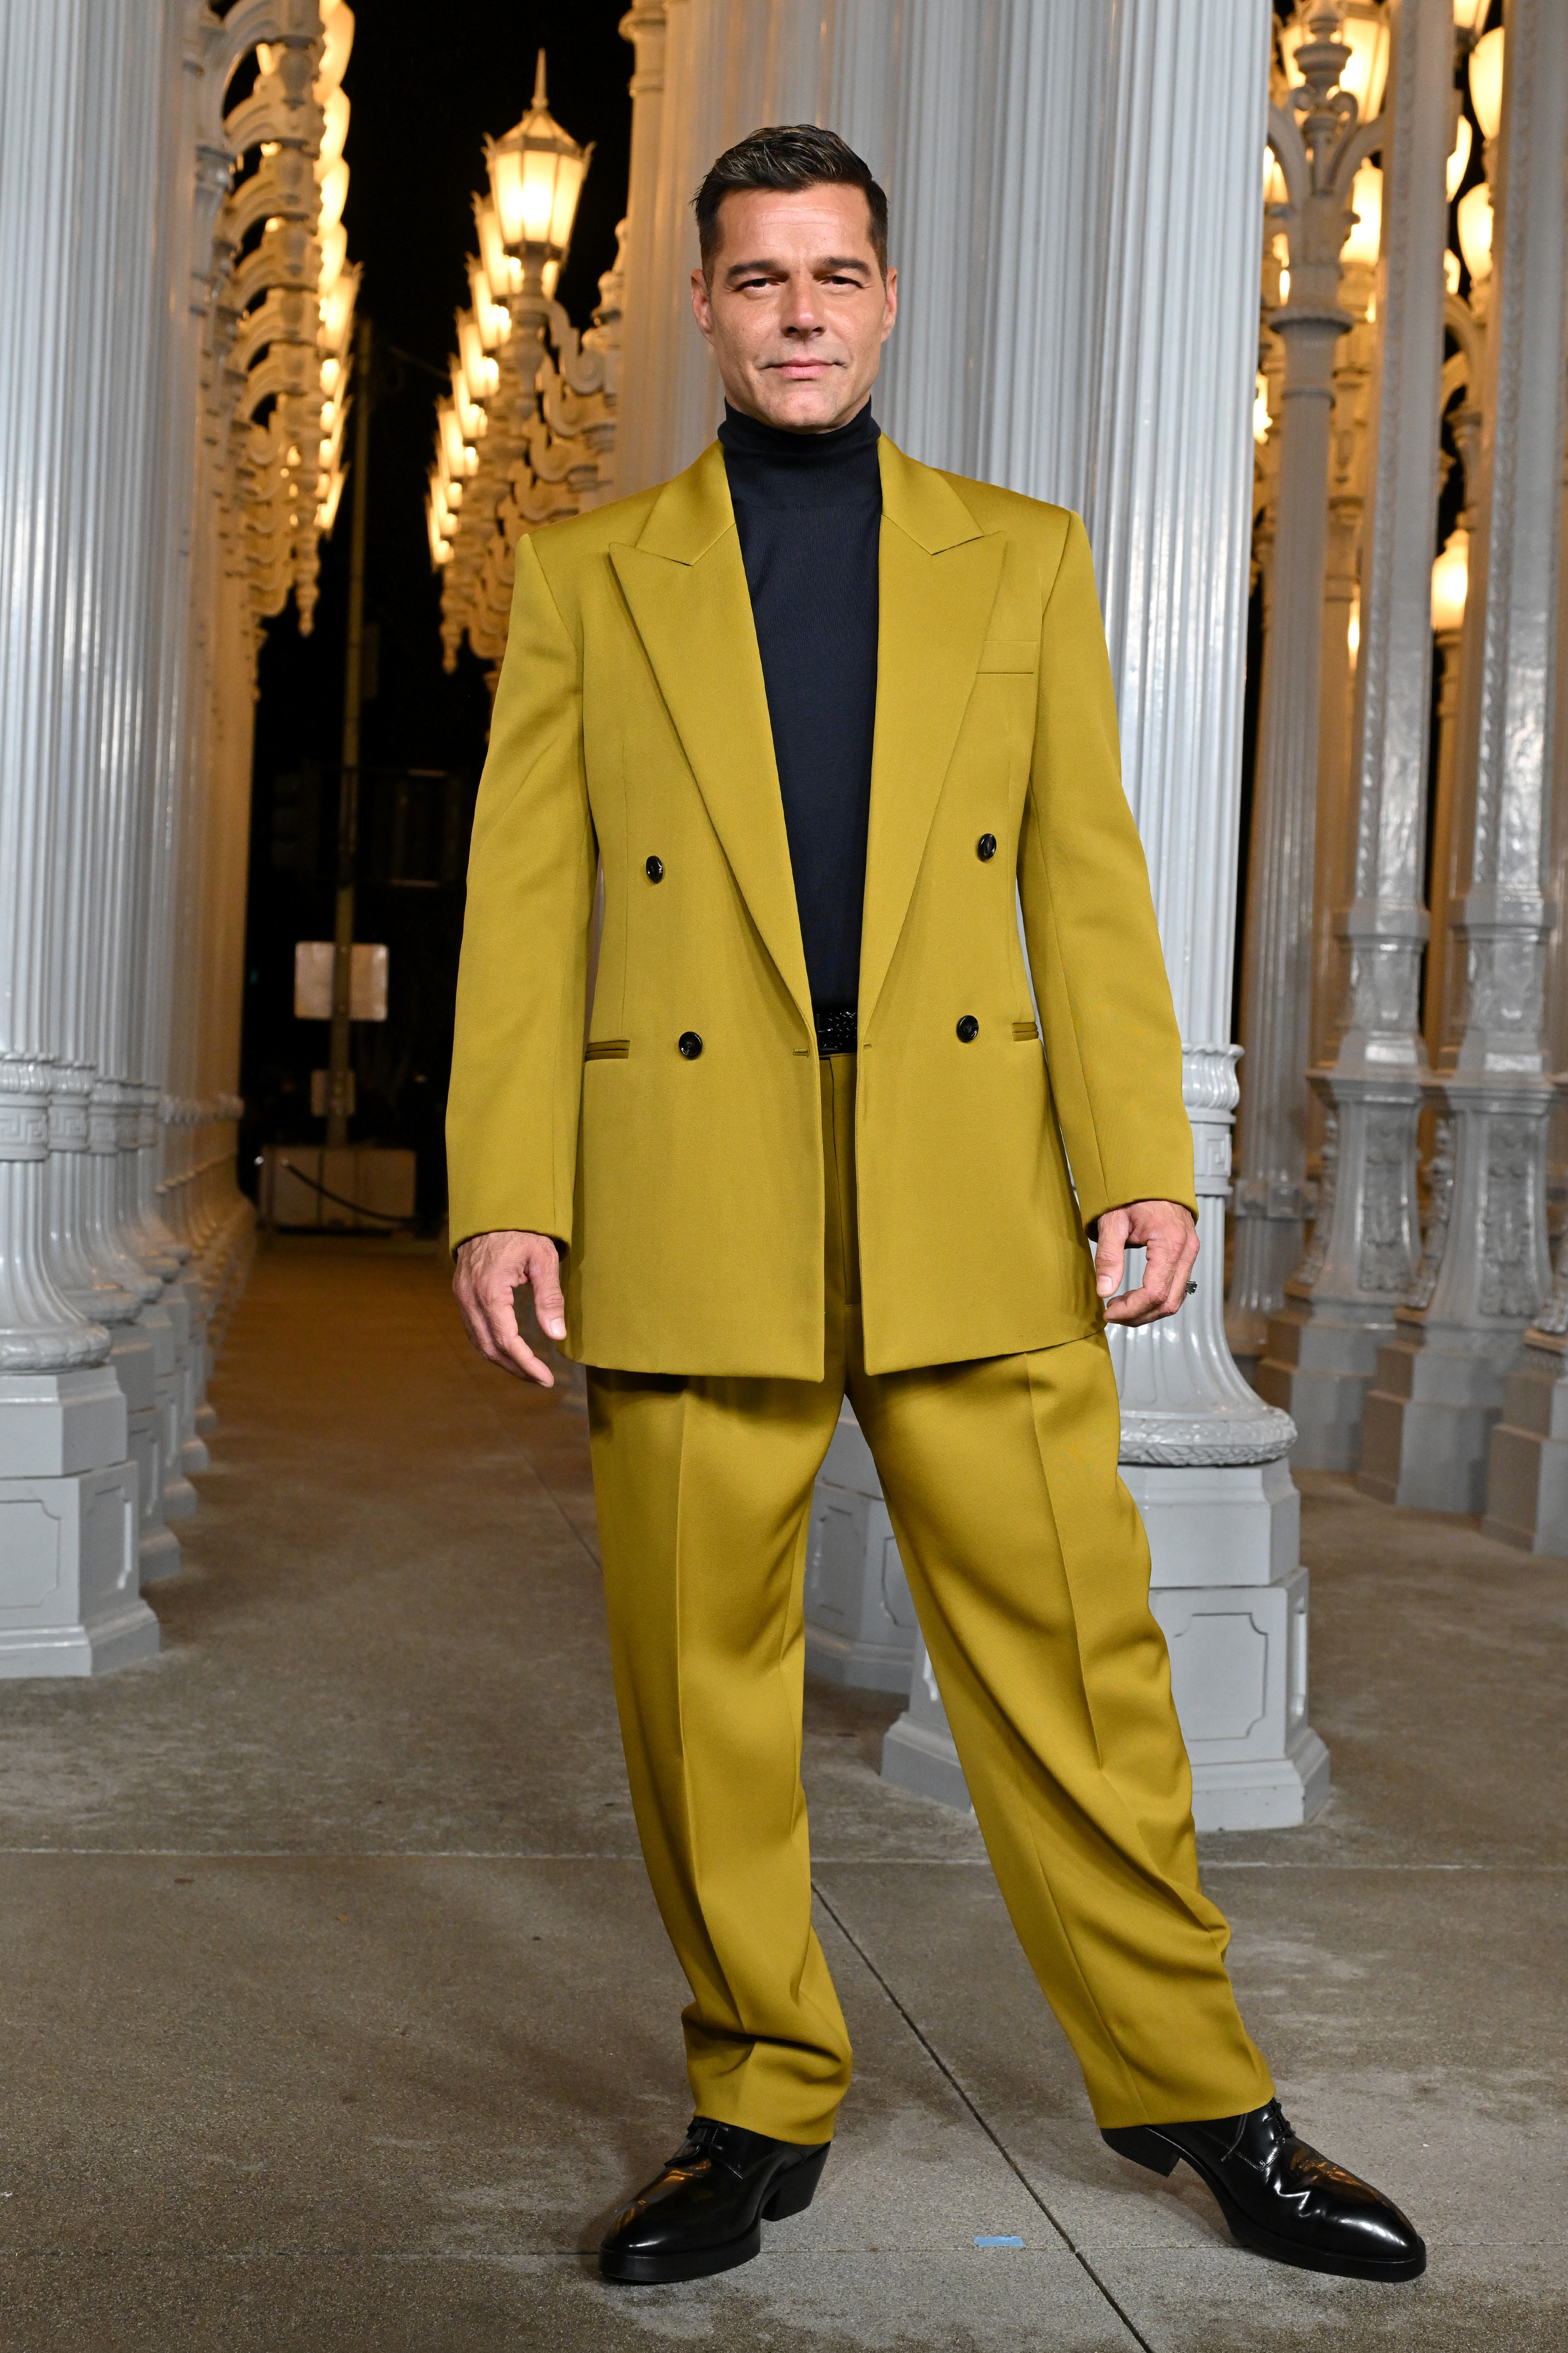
(747, 438)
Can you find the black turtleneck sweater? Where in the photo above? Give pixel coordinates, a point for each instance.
(808, 508)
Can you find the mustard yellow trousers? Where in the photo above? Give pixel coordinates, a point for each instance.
(1029, 1569)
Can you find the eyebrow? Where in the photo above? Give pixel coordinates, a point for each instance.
(831, 262)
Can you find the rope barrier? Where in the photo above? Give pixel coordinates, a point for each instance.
(343, 1203)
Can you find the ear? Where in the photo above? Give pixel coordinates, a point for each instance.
(701, 304)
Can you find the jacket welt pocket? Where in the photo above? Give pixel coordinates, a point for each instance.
(607, 1050)
(1026, 1031)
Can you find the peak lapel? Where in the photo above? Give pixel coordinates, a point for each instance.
(938, 576)
(685, 586)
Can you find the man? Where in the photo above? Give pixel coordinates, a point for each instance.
(816, 708)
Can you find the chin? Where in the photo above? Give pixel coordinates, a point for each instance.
(803, 406)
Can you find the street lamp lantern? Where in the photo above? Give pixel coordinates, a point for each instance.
(1485, 82)
(503, 271)
(334, 193)
(1473, 219)
(491, 315)
(1367, 198)
(1450, 581)
(536, 177)
(1363, 27)
(1459, 159)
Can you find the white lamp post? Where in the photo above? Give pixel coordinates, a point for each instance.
(1320, 141)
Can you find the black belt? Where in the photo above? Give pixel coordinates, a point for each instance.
(835, 1028)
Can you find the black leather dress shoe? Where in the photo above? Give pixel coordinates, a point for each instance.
(705, 2211)
(1283, 2198)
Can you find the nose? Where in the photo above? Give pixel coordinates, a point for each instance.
(800, 308)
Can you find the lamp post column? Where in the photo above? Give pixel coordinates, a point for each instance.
(647, 301)
(1439, 1386)
(1319, 159)
(1169, 515)
(1150, 436)
(1322, 1347)
(1527, 1471)
(68, 1599)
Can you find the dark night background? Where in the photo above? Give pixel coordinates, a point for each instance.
(426, 85)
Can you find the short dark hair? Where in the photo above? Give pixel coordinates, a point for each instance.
(787, 155)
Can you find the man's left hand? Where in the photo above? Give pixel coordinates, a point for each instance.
(1168, 1231)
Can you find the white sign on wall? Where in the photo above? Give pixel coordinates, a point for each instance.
(313, 981)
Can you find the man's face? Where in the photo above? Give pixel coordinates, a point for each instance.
(796, 308)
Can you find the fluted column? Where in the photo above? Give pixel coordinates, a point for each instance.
(646, 297)
(187, 202)
(1526, 1473)
(1439, 1388)
(1106, 390)
(855, 81)
(1333, 848)
(72, 128)
(1323, 1347)
(1318, 160)
(1169, 516)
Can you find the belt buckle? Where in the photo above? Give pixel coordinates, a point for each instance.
(835, 1030)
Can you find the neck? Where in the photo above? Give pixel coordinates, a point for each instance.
(745, 436)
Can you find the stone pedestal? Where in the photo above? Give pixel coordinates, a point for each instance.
(68, 1527)
(917, 1753)
(1438, 1386)
(132, 1356)
(1322, 1345)
(1238, 1653)
(1430, 1412)
(1527, 1467)
(859, 1617)
(1233, 1615)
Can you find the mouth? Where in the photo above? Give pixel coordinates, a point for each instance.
(802, 371)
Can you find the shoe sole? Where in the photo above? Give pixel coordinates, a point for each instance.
(791, 2193)
(1145, 2148)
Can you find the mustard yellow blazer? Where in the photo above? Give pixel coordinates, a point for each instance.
(631, 727)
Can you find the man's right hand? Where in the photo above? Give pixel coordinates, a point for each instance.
(490, 1267)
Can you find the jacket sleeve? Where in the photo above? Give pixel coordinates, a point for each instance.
(1111, 1042)
(517, 1055)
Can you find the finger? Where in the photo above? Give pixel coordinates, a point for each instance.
(1109, 1252)
(1161, 1293)
(1138, 1307)
(1181, 1282)
(501, 1341)
(1165, 1253)
(548, 1303)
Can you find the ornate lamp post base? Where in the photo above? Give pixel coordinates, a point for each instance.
(1321, 1352)
(1527, 1468)
(68, 1528)
(860, 1617)
(1439, 1388)
(1230, 1593)
(1238, 1652)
